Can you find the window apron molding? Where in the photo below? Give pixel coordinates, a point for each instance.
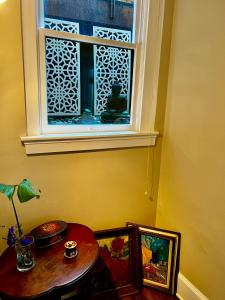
(80, 142)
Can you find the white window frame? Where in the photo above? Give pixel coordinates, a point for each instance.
(40, 138)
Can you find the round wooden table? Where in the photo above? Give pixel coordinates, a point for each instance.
(54, 275)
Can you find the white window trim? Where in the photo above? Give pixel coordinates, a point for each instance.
(56, 143)
(141, 134)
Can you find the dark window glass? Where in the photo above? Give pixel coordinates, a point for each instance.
(89, 13)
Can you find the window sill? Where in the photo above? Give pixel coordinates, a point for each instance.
(56, 143)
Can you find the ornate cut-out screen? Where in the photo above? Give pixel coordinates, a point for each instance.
(63, 76)
(111, 65)
(62, 70)
(61, 25)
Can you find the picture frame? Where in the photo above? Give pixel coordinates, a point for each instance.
(117, 270)
(160, 252)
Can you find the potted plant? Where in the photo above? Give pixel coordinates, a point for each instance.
(23, 244)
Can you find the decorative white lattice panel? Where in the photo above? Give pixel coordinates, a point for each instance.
(110, 65)
(62, 70)
(61, 25)
(63, 76)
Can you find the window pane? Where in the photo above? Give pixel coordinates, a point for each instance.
(87, 84)
(115, 14)
(111, 65)
(63, 77)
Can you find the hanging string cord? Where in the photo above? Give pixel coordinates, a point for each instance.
(151, 196)
(150, 180)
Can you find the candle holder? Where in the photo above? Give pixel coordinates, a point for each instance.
(70, 249)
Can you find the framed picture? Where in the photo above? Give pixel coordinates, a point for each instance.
(159, 250)
(117, 271)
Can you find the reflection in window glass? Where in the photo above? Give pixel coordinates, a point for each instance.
(89, 13)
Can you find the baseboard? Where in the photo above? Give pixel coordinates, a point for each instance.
(187, 291)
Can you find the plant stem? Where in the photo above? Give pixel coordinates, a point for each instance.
(17, 220)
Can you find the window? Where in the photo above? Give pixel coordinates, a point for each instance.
(87, 83)
(84, 67)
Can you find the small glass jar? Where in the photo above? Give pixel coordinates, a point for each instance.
(25, 253)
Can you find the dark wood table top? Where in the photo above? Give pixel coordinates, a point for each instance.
(53, 274)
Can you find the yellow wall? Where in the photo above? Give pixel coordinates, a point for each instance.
(106, 188)
(192, 179)
(101, 189)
